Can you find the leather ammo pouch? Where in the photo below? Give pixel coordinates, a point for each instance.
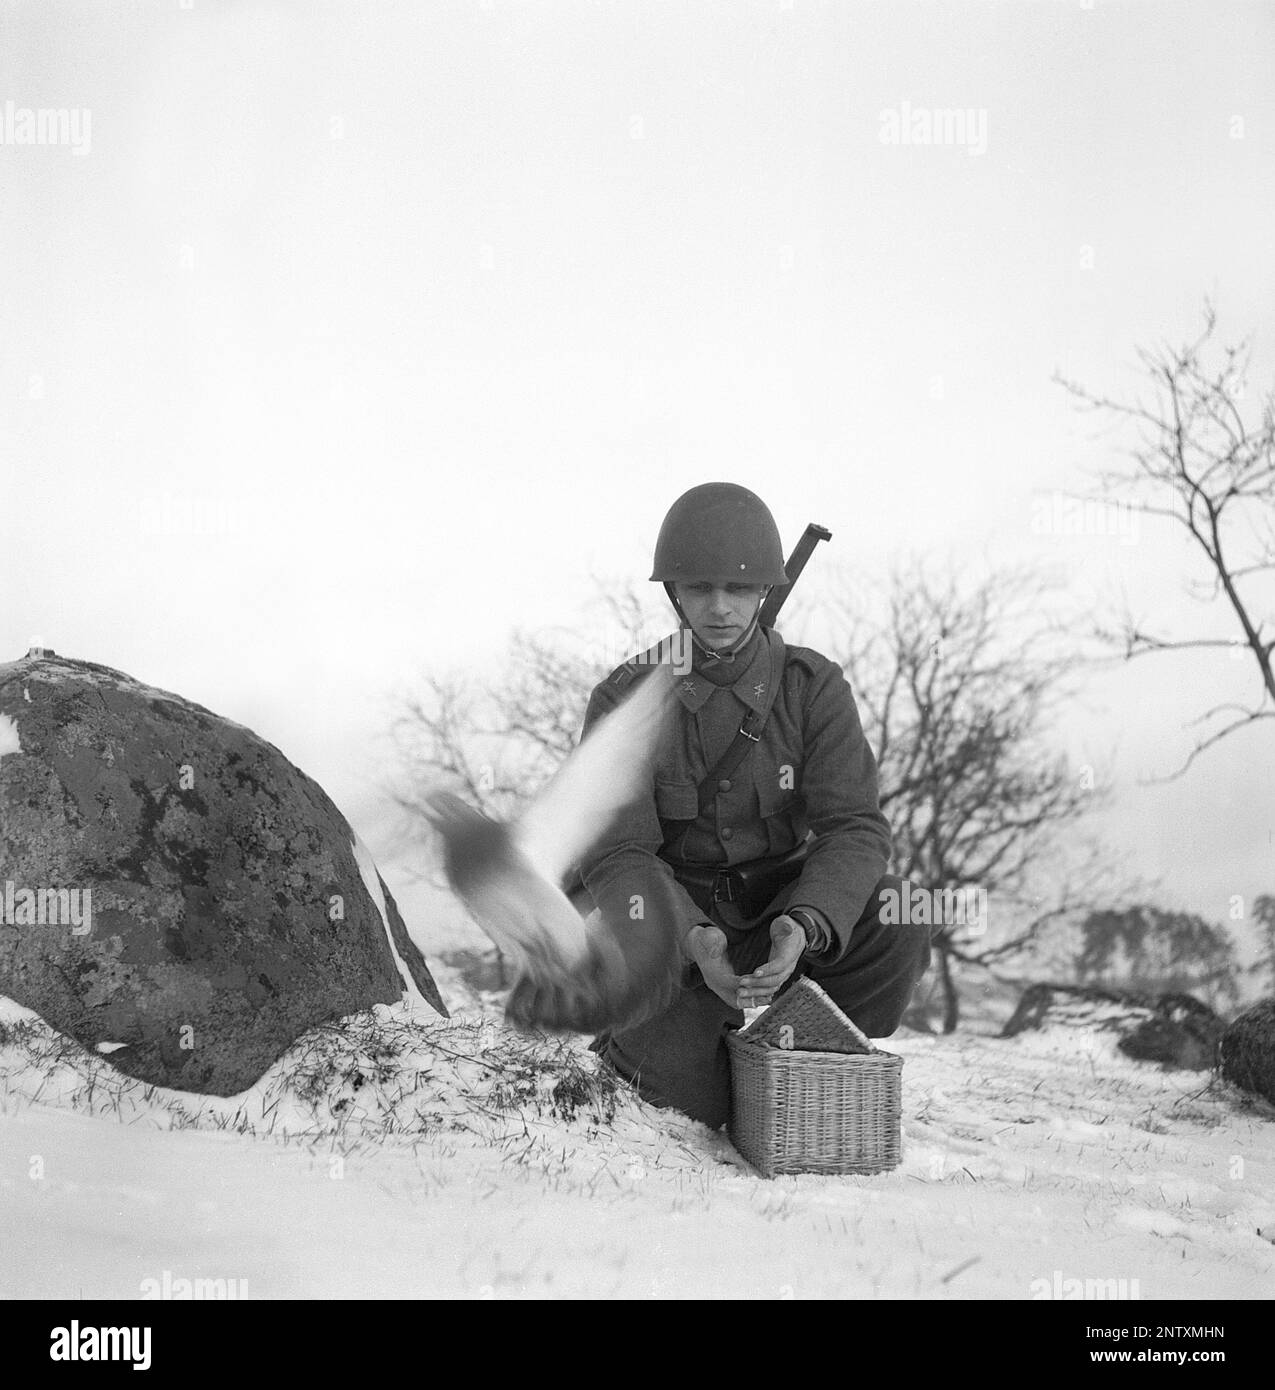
(750, 886)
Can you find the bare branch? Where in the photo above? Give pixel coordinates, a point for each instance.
(1200, 463)
(1252, 718)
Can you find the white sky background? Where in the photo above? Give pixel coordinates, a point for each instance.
(447, 302)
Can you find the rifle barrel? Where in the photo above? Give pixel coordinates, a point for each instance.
(796, 562)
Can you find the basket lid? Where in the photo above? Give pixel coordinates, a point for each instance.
(817, 1024)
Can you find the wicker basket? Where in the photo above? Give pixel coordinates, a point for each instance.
(828, 1111)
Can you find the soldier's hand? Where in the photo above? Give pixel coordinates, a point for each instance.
(707, 947)
(787, 942)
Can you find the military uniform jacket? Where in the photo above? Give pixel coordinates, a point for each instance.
(811, 771)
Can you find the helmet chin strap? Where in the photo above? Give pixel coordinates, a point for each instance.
(726, 655)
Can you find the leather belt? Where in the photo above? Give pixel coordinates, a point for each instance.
(750, 886)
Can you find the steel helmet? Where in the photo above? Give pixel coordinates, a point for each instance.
(719, 533)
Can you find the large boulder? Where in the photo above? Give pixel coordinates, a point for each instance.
(1175, 1030)
(173, 891)
(1248, 1050)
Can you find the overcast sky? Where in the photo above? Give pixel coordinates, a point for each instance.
(344, 338)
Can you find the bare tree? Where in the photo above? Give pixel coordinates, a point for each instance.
(1144, 949)
(1200, 462)
(495, 745)
(956, 683)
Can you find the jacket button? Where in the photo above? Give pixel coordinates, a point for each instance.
(727, 833)
(724, 785)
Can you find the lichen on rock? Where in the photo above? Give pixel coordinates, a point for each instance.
(227, 908)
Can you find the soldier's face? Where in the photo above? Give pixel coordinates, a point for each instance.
(719, 614)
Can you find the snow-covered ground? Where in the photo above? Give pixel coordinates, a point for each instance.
(401, 1155)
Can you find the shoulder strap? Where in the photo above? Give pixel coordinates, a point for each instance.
(749, 730)
(659, 653)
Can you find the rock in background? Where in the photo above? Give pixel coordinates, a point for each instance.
(1248, 1050)
(232, 906)
(1176, 1030)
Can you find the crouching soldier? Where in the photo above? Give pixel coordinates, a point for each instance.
(763, 811)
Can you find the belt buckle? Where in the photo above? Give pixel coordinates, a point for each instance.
(723, 881)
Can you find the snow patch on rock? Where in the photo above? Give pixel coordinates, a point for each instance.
(9, 742)
(372, 882)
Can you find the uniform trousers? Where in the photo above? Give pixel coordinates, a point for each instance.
(678, 1059)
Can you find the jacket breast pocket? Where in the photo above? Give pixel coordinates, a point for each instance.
(783, 814)
(676, 801)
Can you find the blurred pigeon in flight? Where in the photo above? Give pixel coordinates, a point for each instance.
(573, 973)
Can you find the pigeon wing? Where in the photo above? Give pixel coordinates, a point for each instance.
(527, 916)
(572, 973)
(604, 773)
